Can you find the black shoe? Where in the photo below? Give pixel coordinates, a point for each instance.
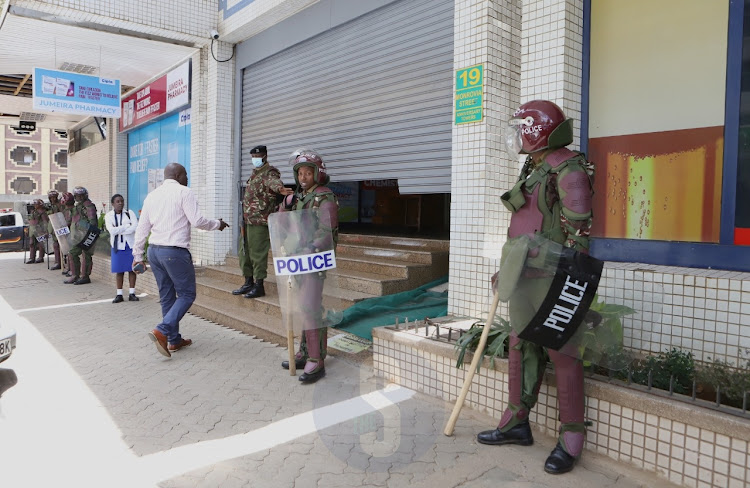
(72, 280)
(520, 435)
(256, 291)
(559, 461)
(118, 299)
(83, 281)
(312, 377)
(56, 267)
(298, 363)
(249, 283)
(133, 298)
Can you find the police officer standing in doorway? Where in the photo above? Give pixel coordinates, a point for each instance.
(258, 202)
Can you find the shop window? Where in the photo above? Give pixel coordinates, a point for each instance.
(23, 156)
(672, 158)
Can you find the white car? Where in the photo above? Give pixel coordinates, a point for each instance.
(7, 342)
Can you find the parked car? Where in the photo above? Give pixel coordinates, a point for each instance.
(14, 234)
(7, 342)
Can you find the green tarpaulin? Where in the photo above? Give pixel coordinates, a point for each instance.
(360, 318)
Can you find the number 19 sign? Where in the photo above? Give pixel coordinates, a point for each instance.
(469, 94)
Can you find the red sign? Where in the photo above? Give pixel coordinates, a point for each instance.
(166, 94)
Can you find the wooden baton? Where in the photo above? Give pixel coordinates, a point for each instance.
(478, 354)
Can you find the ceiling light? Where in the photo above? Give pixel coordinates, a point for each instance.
(32, 117)
(79, 68)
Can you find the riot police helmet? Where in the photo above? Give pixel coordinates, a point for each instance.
(537, 125)
(311, 158)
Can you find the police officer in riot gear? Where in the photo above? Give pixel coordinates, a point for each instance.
(551, 200)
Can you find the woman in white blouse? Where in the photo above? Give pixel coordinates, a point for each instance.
(121, 226)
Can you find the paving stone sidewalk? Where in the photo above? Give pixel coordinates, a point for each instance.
(87, 394)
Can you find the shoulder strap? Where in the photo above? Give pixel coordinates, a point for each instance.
(559, 156)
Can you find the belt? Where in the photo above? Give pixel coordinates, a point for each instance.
(156, 246)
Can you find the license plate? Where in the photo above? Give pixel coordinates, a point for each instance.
(5, 348)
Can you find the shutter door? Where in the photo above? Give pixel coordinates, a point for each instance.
(374, 96)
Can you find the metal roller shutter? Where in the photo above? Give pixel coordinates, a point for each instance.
(374, 96)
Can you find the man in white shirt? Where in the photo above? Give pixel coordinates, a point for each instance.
(168, 213)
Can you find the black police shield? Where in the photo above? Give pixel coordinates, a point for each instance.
(555, 289)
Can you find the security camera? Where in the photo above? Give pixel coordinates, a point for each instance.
(214, 34)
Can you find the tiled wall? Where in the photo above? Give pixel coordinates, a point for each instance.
(685, 444)
(212, 176)
(487, 33)
(706, 312)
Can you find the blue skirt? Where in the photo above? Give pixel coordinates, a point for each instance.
(122, 261)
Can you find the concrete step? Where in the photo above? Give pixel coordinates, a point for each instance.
(221, 290)
(389, 242)
(385, 254)
(266, 327)
(378, 265)
(360, 284)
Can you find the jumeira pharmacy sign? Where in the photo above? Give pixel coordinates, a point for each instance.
(74, 93)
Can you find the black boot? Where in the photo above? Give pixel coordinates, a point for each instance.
(315, 374)
(256, 291)
(559, 461)
(246, 287)
(520, 434)
(298, 363)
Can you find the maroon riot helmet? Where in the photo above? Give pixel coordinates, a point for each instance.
(538, 125)
(309, 157)
(67, 199)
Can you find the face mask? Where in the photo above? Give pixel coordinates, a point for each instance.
(257, 162)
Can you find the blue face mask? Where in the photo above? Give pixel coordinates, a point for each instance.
(257, 162)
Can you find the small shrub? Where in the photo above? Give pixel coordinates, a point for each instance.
(732, 382)
(497, 341)
(674, 364)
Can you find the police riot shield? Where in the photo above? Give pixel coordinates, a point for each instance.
(62, 231)
(304, 266)
(551, 295)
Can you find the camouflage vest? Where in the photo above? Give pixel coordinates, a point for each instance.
(314, 199)
(259, 200)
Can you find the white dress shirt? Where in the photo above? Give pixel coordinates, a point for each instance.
(168, 212)
(121, 228)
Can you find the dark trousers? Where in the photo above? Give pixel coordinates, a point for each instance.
(175, 276)
(253, 254)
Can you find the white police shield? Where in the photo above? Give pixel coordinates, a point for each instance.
(62, 231)
(304, 268)
(552, 302)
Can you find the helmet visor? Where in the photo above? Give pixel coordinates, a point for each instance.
(512, 136)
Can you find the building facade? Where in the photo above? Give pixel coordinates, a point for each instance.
(373, 85)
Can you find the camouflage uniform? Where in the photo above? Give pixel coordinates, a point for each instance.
(258, 203)
(37, 228)
(83, 215)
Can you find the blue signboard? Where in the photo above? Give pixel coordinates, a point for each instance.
(73, 93)
(150, 149)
